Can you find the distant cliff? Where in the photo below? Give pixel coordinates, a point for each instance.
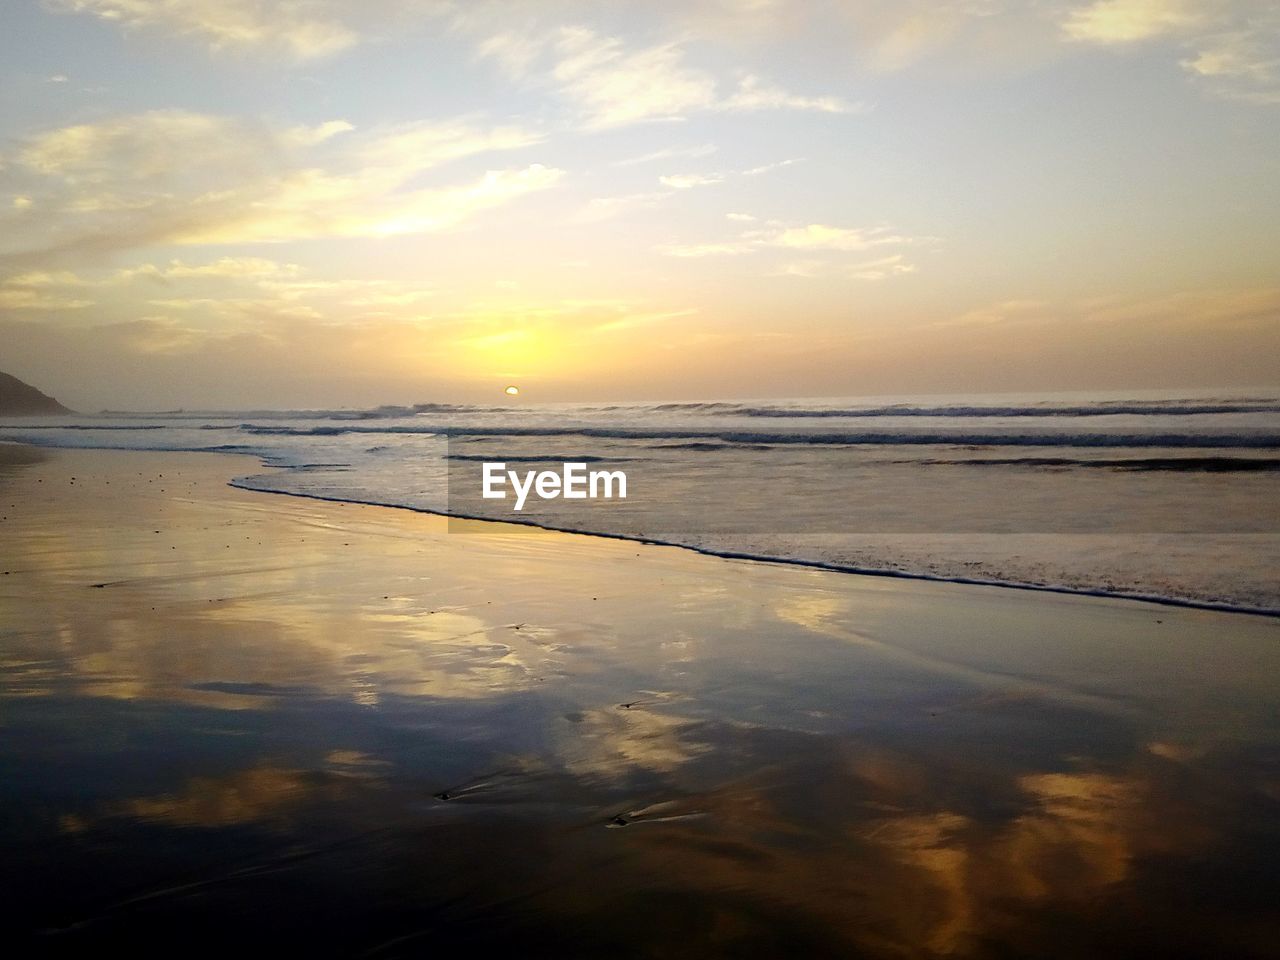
(18, 399)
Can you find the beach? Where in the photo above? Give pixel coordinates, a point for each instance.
(241, 720)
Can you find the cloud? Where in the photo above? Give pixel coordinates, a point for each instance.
(766, 168)
(818, 236)
(223, 288)
(14, 297)
(300, 29)
(754, 94)
(1219, 311)
(610, 85)
(686, 181)
(733, 18)
(314, 204)
(1233, 46)
(233, 268)
(143, 147)
(1128, 21)
(42, 290)
(181, 177)
(515, 53)
(613, 87)
(881, 269)
(668, 153)
(603, 208)
(1241, 62)
(810, 238)
(894, 35)
(1004, 313)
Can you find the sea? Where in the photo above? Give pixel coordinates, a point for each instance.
(1172, 497)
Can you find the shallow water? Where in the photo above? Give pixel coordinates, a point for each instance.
(233, 721)
(1174, 496)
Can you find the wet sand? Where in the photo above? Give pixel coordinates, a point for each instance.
(237, 721)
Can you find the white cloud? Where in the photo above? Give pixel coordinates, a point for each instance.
(766, 168)
(39, 291)
(235, 268)
(1232, 46)
(142, 147)
(46, 278)
(180, 177)
(669, 153)
(813, 237)
(315, 204)
(310, 136)
(1127, 21)
(301, 29)
(515, 53)
(1241, 63)
(879, 269)
(754, 94)
(226, 288)
(424, 144)
(1002, 313)
(891, 266)
(686, 181)
(610, 85)
(818, 236)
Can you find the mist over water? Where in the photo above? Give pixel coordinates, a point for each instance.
(1174, 496)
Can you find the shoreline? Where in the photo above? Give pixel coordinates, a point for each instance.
(1270, 612)
(239, 482)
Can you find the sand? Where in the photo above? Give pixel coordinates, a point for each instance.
(240, 721)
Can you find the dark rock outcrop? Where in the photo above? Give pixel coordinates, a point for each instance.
(18, 399)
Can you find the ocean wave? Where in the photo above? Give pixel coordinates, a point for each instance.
(708, 446)
(1141, 409)
(1138, 464)
(1253, 440)
(541, 458)
(392, 412)
(84, 426)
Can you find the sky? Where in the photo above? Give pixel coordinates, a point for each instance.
(320, 203)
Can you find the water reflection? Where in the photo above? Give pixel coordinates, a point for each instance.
(351, 734)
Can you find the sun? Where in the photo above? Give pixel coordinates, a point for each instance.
(512, 391)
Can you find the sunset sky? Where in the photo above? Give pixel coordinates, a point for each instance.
(232, 203)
